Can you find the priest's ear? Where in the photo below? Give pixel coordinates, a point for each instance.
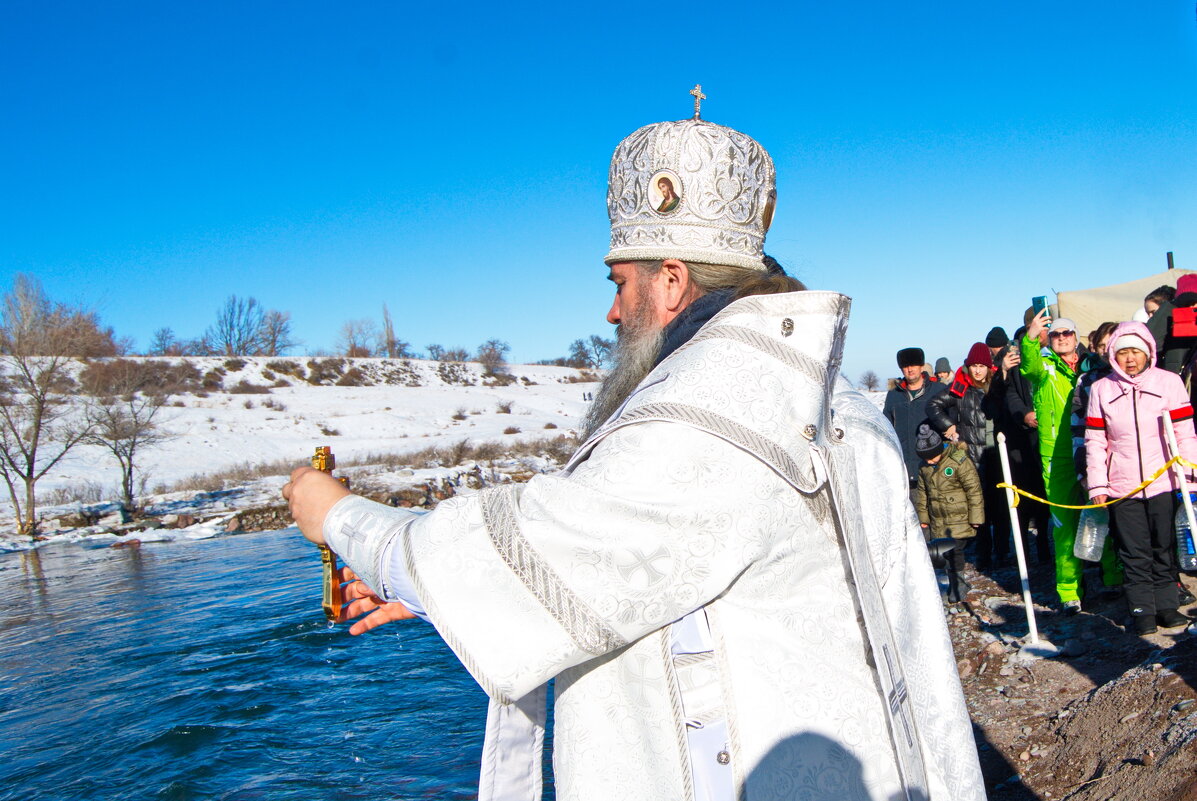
(677, 289)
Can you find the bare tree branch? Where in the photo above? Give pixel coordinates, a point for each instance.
(238, 327)
(38, 422)
(358, 338)
(123, 423)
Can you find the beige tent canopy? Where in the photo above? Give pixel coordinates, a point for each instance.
(1089, 308)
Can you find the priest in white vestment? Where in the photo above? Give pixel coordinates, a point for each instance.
(727, 581)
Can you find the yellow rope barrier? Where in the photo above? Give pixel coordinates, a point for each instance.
(1154, 476)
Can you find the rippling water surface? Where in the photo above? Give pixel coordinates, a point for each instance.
(205, 670)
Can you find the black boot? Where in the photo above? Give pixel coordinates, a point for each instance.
(1170, 619)
(1144, 624)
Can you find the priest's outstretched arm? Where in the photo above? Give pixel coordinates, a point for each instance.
(524, 582)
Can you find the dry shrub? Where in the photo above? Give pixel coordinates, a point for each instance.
(583, 377)
(118, 376)
(498, 379)
(511, 430)
(353, 378)
(401, 373)
(213, 379)
(504, 407)
(550, 425)
(276, 405)
(233, 365)
(325, 371)
(286, 367)
(557, 449)
(460, 414)
(76, 492)
(328, 431)
(233, 476)
(244, 387)
(454, 373)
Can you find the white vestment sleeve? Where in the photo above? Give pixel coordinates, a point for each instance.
(365, 535)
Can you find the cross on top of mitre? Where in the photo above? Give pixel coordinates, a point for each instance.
(698, 98)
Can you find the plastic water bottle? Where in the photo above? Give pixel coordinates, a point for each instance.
(1186, 554)
(1091, 533)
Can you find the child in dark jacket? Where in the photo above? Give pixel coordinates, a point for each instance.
(948, 499)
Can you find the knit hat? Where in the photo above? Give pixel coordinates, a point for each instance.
(996, 338)
(942, 366)
(927, 443)
(979, 354)
(1130, 341)
(1186, 283)
(1063, 324)
(911, 357)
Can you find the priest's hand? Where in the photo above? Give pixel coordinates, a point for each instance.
(311, 494)
(361, 600)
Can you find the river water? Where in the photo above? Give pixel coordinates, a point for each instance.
(205, 670)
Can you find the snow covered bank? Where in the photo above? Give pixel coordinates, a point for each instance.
(401, 406)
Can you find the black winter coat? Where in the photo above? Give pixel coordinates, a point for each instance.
(968, 408)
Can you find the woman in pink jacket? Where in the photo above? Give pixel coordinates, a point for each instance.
(1124, 446)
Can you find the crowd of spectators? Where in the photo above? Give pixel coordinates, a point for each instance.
(1084, 423)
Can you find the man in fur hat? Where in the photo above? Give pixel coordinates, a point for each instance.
(726, 581)
(906, 406)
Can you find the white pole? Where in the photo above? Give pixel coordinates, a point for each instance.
(1018, 550)
(1174, 450)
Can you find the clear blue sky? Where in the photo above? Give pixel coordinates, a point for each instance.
(940, 162)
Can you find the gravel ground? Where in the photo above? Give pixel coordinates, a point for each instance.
(1113, 716)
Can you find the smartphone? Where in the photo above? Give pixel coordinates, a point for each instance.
(1039, 303)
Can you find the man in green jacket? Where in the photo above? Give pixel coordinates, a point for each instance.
(1053, 380)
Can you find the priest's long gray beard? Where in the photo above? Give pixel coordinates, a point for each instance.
(638, 343)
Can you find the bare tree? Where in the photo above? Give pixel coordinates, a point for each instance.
(196, 347)
(601, 350)
(388, 334)
(491, 355)
(123, 423)
(238, 327)
(389, 345)
(870, 381)
(163, 343)
(358, 338)
(439, 353)
(579, 355)
(38, 423)
(274, 338)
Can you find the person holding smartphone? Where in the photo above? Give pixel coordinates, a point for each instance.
(1052, 374)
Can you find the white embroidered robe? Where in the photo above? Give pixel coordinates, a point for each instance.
(726, 484)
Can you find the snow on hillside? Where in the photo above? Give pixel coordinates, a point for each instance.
(223, 429)
(409, 406)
